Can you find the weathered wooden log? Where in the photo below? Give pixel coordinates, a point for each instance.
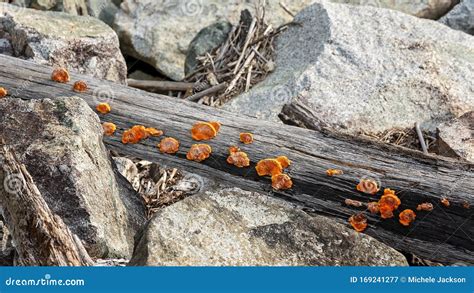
(160, 85)
(443, 235)
(42, 238)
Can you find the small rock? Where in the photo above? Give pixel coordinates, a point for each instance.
(159, 32)
(363, 69)
(60, 142)
(126, 167)
(83, 44)
(456, 137)
(461, 17)
(233, 227)
(432, 9)
(206, 40)
(104, 10)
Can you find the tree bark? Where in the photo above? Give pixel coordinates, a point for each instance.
(42, 238)
(443, 235)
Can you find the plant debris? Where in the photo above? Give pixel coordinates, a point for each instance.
(242, 61)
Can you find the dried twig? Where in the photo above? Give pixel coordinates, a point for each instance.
(421, 138)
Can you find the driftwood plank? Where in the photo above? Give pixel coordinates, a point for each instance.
(444, 235)
(42, 238)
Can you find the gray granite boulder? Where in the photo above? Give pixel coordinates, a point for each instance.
(60, 142)
(456, 137)
(79, 43)
(232, 227)
(461, 17)
(365, 69)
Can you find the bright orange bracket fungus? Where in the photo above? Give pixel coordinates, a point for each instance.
(109, 128)
(153, 132)
(60, 75)
(246, 138)
(103, 108)
(169, 145)
(445, 202)
(3, 92)
(79, 86)
(199, 152)
(334, 172)
(281, 181)
(203, 131)
(284, 161)
(387, 204)
(358, 222)
(406, 217)
(368, 186)
(373, 207)
(238, 159)
(268, 167)
(426, 206)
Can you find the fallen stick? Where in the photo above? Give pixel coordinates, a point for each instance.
(442, 235)
(214, 89)
(42, 238)
(159, 85)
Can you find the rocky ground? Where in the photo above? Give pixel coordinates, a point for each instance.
(364, 70)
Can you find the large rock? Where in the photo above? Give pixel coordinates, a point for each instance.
(456, 137)
(60, 142)
(80, 43)
(159, 32)
(238, 228)
(432, 9)
(367, 69)
(461, 17)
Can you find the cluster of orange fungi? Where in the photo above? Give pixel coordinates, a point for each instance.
(3, 92)
(358, 222)
(334, 172)
(138, 133)
(274, 167)
(169, 145)
(79, 86)
(60, 75)
(199, 152)
(237, 157)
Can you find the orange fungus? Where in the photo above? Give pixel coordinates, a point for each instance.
(268, 167)
(281, 181)
(406, 217)
(358, 222)
(153, 132)
(368, 186)
(387, 204)
(246, 138)
(333, 172)
(233, 149)
(169, 145)
(426, 206)
(103, 108)
(139, 131)
(60, 75)
(354, 203)
(373, 207)
(109, 128)
(79, 86)
(216, 125)
(238, 158)
(284, 161)
(3, 92)
(199, 152)
(466, 205)
(203, 131)
(445, 202)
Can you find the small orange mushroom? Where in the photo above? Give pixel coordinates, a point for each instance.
(333, 172)
(373, 207)
(387, 204)
(368, 186)
(238, 159)
(268, 167)
(445, 202)
(281, 181)
(466, 204)
(246, 138)
(60, 75)
(79, 86)
(109, 128)
(103, 108)
(3, 92)
(388, 191)
(199, 152)
(233, 149)
(406, 217)
(169, 145)
(358, 222)
(426, 206)
(153, 132)
(203, 131)
(216, 125)
(352, 202)
(284, 161)
(128, 136)
(139, 131)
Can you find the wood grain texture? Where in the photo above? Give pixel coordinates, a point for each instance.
(41, 237)
(444, 235)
